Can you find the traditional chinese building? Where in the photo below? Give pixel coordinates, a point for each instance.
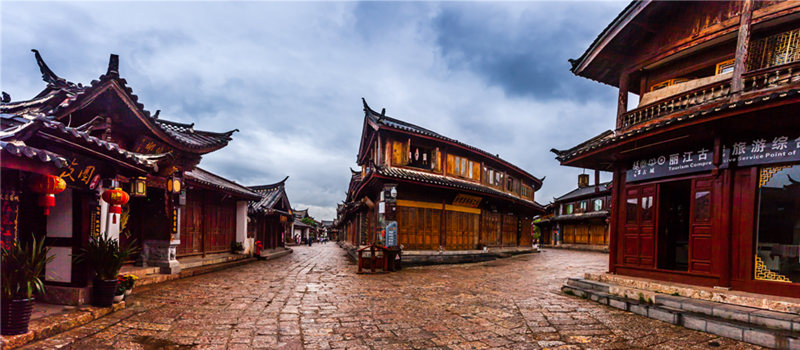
(706, 164)
(425, 192)
(95, 138)
(303, 230)
(271, 215)
(579, 218)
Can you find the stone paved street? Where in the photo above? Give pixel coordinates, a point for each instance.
(313, 299)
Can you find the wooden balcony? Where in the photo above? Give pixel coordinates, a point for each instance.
(756, 82)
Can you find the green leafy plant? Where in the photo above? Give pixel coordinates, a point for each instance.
(308, 221)
(106, 256)
(237, 247)
(22, 267)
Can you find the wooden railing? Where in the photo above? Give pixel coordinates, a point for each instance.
(764, 79)
(683, 101)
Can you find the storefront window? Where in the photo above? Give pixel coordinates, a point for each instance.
(778, 231)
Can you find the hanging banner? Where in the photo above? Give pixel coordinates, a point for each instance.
(8, 218)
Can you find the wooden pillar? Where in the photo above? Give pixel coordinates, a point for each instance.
(622, 97)
(742, 45)
(615, 208)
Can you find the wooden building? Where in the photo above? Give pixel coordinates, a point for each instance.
(579, 218)
(271, 215)
(108, 140)
(440, 193)
(705, 166)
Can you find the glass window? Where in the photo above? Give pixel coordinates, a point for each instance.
(647, 208)
(569, 209)
(630, 209)
(702, 206)
(583, 205)
(598, 204)
(778, 231)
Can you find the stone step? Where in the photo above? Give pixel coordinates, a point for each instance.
(589, 284)
(766, 318)
(755, 326)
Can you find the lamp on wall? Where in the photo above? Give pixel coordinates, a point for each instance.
(174, 184)
(139, 187)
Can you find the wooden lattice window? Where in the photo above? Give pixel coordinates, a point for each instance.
(774, 50)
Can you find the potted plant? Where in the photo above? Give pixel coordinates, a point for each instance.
(119, 293)
(104, 254)
(237, 247)
(22, 267)
(127, 281)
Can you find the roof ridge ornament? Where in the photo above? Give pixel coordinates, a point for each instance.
(6, 97)
(113, 66)
(47, 74)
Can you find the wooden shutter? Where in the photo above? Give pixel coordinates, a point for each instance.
(700, 243)
(398, 153)
(639, 226)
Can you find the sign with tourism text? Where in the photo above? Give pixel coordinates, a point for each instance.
(8, 219)
(757, 151)
(677, 163)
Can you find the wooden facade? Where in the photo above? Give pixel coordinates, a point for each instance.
(705, 166)
(579, 217)
(109, 140)
(449, 196)
(271, 216)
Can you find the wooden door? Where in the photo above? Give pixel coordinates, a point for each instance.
(462, 230)
(525, 239)
(509, 230)
(491, 229)
(638, 246)
(568, 236)
(418, 228)
(192, 225)
(597, 234)
(700, 242)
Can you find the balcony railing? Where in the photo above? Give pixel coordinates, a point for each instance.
(701, 95)
(765, 79)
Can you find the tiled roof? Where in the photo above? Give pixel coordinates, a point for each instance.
(20, 126)
(382, 119)
(581, 216)
(609, 137)
(440, 180)
(585, 191)
(60, 94)
(270, 196)
(19, 149)
(215, 181)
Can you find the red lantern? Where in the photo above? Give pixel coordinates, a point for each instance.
(48, 186)
(117, 198)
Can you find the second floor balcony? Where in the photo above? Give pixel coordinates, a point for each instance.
(773, 65)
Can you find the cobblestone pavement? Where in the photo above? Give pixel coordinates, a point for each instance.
(313, 299)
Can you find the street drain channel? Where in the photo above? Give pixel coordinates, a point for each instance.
(151, 343)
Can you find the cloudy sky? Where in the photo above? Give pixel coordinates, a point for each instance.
(290, 76)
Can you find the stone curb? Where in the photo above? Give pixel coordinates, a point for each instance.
(46, 327)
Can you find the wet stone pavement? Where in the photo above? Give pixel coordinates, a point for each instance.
(313, 299)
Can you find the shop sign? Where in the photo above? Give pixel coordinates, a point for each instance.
(95, 218)
(391, 234)
(8, 218)
(757, 151)
(465, 200)
(671, 164)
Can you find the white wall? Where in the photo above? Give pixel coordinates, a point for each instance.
(59, 224)
(241, 225)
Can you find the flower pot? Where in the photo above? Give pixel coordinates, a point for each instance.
(128, 291)
(118, 298)
(103, 292)
(16, 314)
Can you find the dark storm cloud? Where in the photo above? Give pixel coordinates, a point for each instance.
(290, 77)
(523, 48)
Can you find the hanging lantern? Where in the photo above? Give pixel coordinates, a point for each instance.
(48, 186)
(174, 184)
(139, 187)
(117, 198)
